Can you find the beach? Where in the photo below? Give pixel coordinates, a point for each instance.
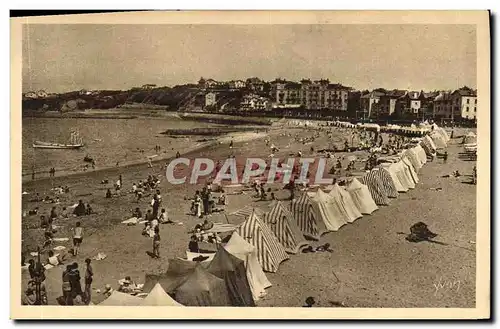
(371, 265)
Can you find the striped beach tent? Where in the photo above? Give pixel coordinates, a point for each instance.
(329, 211)
(405, 175)
(308, 218)
(392, 169)
(343, 200)
(438, 139)
(411, 170)
(411, 154)
(376, 188)
(428, 145)
(270, 252)
(280, 220)
(443, 133)
(361, 196)
(422, 157)
(257, 279)
(387, 182)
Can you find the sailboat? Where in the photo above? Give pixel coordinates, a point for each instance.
(75, 142)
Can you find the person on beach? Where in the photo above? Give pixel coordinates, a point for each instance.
(56, 260)
(74, 280)
(177, 155)
(53, 213)
(77, 238)
(66, 286)
(193, 244)
(89, 274)
(149, 216)
(137, 213)
(108, 194)
(134, 188)
(79, 209)
(89, 210)
(164, 219)
(445, 156)
(156, 242)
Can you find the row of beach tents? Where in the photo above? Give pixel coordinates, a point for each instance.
(234, 275)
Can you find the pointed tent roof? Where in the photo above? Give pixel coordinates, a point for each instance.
(330, 211)
(345, 203)
(238, 247)
(281, 221)
(178, 270)
(269, 250)
(361, 196)
(158, 297)
(121, 299)
(246, 211)
(233, 271)
(201, 288)
(308, 218)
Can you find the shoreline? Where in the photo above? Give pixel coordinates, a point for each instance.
(205, 146)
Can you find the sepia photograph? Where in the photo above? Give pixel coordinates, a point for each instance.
(243, 164)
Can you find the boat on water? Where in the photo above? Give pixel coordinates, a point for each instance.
(75, 142)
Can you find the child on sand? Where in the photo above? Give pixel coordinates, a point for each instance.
(77, 238)
(156, 242)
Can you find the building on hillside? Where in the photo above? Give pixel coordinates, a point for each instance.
(464, 102)
(369, 101)
(41, 94)
(386, 105)
(255, 84)
(311, 95)
(148, 86)
(236, 84)
(210, 99)
(443, 105)
(251, 103)
(30, 94)
(410, 104)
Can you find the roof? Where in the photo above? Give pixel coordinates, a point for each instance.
(465, 91)
(373, 94)
(443, 96)
(293, 85)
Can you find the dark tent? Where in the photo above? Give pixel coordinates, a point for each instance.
(190, 284)
(202, 288)
(232, 270)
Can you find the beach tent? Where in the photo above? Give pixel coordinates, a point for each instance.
(256, 277)
(404, 175)
(392, 169)
(329, 211)
(232, 270)
(343, 200)
(387, 182)
(201, 288)
(438, 139)
(470, 138)
(158, 297)
(270, 252)
(121, 299)
(361, 196)
(308, 217)
(190, 284)
(428, 145)
(280, 220)
(376, 188)
(412, 155)
(420, 152)
(444, 134)
(411, 170)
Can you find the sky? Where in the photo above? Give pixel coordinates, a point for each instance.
(59, 58)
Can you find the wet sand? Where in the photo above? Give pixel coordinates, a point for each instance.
(371, 266)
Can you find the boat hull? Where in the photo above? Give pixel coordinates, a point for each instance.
(57, 146)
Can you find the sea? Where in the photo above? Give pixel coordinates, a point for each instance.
(109, 142)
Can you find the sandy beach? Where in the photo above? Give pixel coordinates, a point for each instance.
(371, 266)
